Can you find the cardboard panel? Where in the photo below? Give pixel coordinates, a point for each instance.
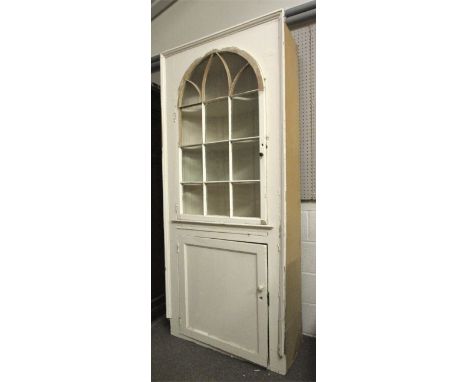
(293, 317)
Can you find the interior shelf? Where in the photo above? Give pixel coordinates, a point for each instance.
(192, 164)
(217, 161)
(192, 199)
(191, 117)
(245, 160)
(217, 120)
(217, 199)
(246, 199)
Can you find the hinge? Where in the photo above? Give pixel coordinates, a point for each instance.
(268, 298)
(178, 251)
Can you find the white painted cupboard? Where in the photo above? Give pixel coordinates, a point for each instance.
(231, 191)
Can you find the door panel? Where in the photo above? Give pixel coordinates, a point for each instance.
(223, 291)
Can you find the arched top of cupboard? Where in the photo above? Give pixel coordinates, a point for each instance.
(219, 73)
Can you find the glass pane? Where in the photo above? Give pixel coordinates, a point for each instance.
(246, 199)
(217, 199)
(246, 160)
(197, 74)
(216, 81)
(245, 116)
(247, 81)
(191, 125)
(217, 161)
(192, 164)
(217, 121)
(193, 199)
(234, 62)
(191, 95)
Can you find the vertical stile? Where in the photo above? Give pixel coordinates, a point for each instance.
(204, 160)
(177, 121)
(181, 188)
(262, 135)
(231, 211)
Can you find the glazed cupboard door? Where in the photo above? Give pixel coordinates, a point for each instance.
(223, 295)
(221, 140)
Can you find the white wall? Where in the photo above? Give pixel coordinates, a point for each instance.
(308, 267)
(187, 20)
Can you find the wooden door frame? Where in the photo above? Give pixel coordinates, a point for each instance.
(261, 253)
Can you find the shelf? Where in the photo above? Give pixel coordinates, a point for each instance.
(246, 199)
(217, 161)
(217, 199)
(245, 139)
(216, 142)
(192, 199)
(191, 125)
(245, 181)
(217, 120)
(246, 160)
(212, 100)
(190, 146)
(192, 164)
(231, 222)
(245, 115)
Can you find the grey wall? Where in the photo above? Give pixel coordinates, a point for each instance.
(155, 77)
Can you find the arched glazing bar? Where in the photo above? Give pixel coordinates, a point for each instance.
(219, 73)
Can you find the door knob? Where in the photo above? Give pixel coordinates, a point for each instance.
(260, 288)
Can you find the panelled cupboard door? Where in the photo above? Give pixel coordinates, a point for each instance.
(223, 295)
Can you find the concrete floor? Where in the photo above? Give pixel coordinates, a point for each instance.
(173, 359)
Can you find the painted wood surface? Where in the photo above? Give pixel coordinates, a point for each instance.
(193, 283)
(223, 298)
